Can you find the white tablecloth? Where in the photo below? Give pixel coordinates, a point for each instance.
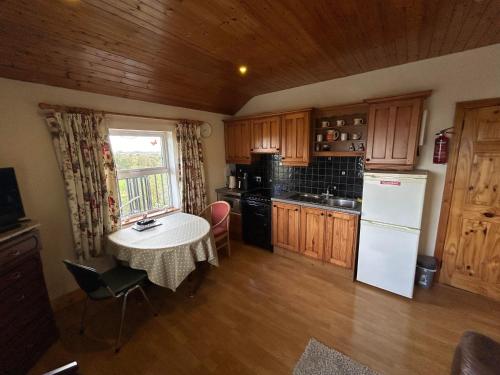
(168, 252)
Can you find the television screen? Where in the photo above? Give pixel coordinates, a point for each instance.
(11, 207)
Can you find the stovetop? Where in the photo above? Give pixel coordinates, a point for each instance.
(262, 195)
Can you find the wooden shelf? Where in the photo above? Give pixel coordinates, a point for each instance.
(338, 141)
(338, 153)
(339, 128)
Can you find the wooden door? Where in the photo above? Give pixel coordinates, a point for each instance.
(237, 141)
(266, 134)
(471, 257)
(295, 138)
(312, 232)
(286, 224)
(393, 133)
(341, 231)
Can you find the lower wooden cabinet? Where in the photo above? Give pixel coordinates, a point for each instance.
(326, 235)
(312, 232)
(285, 226)
(340, 239)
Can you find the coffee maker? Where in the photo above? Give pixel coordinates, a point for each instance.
(242, 180)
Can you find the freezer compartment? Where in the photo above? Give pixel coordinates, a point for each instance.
(396, 199)
(387, 257)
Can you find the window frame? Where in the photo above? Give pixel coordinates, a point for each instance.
(169, 168)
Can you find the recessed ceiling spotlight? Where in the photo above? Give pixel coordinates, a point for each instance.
(243, 69)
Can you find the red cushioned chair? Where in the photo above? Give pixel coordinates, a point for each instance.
(217, 214)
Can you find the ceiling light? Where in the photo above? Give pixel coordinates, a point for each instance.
(243, 70)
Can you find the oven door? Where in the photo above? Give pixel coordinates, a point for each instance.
(256, 224)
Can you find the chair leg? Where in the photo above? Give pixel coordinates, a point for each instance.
(228, 246)
(148, 301)
(82, 321)
(118, 340)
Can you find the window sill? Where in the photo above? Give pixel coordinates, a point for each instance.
(154, 215)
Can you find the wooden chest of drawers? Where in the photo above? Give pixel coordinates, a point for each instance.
(26, 321)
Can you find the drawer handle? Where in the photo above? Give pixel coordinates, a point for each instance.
(21, 298)
(15, 253)
(16, 276)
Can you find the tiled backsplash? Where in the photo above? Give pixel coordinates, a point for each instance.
(344, 175)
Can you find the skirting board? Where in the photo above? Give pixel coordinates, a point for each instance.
(67, 300)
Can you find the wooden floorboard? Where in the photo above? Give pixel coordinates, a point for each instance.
(255, 314)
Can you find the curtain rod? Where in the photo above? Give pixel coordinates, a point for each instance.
(53, 107)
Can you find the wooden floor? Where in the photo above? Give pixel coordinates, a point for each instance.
(255, 314)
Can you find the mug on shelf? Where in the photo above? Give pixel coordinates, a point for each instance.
(340, 122)
(343, 136)
(332, 135)
(319, 137)
(359, 121)
(325, 124)
(355, 136)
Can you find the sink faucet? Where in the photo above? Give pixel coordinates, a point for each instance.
(327, 194)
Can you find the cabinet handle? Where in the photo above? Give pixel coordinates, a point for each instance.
(489, 214)
(329, 215)
(251, 149)
(322, 214)
(277, 148)
(16, 276)
(367, 159)
(274, 206)
(296, 209)
(15, 253)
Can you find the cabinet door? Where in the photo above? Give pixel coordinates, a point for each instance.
(286, 224)
(340, 239)
(312, 232)
(237, 139)
(393, 131)
(295, 138)
(266, 135)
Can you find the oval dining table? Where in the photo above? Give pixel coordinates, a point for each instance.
(168, 252)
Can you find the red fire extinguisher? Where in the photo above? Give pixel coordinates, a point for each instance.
(441, 147)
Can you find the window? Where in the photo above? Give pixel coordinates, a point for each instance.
(146, 172)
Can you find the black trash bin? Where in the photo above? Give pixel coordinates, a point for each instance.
(426, 268)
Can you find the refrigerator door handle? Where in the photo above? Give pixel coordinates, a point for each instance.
(392, 226)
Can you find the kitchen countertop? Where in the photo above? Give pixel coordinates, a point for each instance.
(285, 198)
(226, 190)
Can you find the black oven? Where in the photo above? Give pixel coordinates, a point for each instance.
(256, 218)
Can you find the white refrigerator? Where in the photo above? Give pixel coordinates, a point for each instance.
(391, 215)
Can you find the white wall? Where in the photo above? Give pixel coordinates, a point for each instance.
(25, 144)
(470, 75)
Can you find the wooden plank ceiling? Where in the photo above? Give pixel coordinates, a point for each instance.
(186, 53)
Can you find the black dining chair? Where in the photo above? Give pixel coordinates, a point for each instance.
(116, 283)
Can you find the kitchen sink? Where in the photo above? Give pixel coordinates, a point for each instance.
(341, 202)
(311, 198)
(332, 202)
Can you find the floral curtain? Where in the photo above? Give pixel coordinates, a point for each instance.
(81, 143)
(191, 170)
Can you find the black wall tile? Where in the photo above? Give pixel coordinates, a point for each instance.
(343, 175)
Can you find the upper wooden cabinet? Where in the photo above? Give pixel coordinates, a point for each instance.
(285, 225)
(285, 133)
(295, 138)
(266, 134)
(237, 139)
(340, 239)
(393, 131)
